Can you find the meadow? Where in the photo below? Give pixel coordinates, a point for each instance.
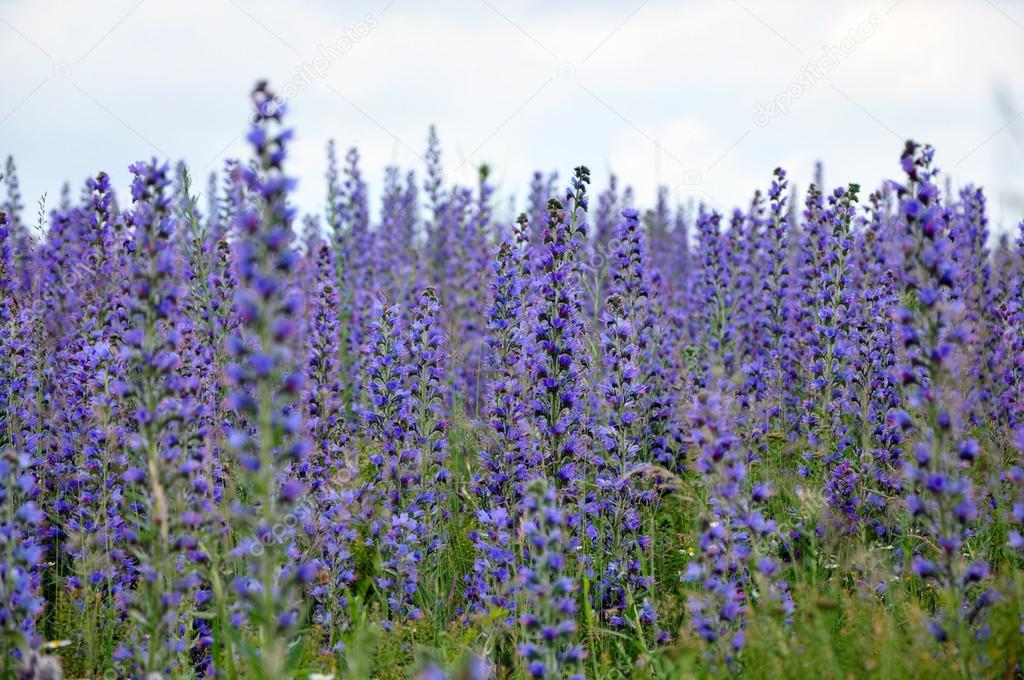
(601, 440)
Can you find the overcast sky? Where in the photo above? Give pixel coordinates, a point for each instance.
(703, 96)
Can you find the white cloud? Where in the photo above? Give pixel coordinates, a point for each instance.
(174, 76)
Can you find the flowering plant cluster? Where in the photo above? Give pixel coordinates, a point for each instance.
(662, 446)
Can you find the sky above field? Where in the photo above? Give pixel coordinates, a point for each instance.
(704, 97)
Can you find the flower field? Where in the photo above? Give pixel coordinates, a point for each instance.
(598, 441)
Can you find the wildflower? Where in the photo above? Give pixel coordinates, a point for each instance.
(549, 613)
(558, 362)
(508, 453)
(941, 497)
(266, 386)
(158, 471)
(733, 531)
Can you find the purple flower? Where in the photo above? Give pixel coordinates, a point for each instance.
(548, 615)
(734, 529)
(268, 444)
(558, 360)
(943, 504)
